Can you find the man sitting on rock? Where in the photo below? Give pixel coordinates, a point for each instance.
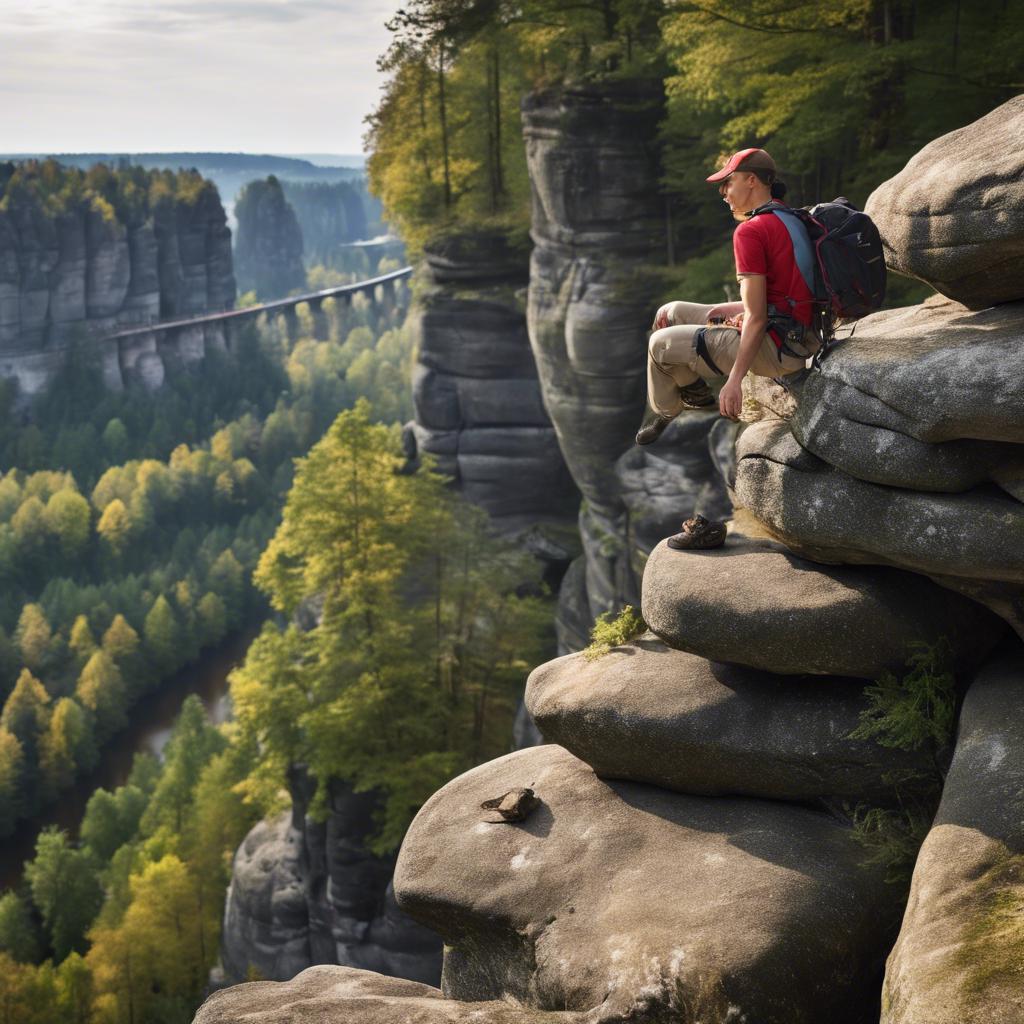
(767, 332)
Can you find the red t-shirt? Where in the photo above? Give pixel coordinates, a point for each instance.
(762, 246)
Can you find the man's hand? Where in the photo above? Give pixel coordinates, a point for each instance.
(660, 319)
(730, 398)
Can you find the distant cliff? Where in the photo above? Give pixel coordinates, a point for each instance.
(84, 253)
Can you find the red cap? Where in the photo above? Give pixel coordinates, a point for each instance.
(745, 160)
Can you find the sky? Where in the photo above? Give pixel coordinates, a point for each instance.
(254, 76)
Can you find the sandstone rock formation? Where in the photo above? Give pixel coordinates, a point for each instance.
(268, 250)
(306, 893)
(755, 603)
(652, 714)
(344, 995)
(477, 397)
(954, 216)
(81, 274)
(598, 225)
(958, 956)
(646, 904)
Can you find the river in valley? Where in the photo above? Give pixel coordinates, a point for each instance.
(149, 728)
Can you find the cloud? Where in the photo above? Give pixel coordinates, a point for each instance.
(267, 75)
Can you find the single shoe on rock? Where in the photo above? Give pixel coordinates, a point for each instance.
(698, 533)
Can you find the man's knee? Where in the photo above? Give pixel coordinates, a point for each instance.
(657, 347)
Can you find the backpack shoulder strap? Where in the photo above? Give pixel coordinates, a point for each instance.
(802, 248)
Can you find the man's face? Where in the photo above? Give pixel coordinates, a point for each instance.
(736, 191)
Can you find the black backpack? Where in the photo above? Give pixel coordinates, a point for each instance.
(839, 253)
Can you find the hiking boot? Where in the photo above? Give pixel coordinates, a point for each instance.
(653, 429)
(698, 532)
(697, 395)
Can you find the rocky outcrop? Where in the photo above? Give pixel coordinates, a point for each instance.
(598, 227)
(957, 958)
(648, 713)
(954, 216)
(318, 993)
(88, 270)
(642, 904)
(268, 250)
(479, 410)
(305, 892)
(709, 885)
(755, 603)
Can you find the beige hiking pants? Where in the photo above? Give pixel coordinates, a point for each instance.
(673, 362)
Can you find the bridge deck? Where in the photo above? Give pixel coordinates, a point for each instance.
(263, 307)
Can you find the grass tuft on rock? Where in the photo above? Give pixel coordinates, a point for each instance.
(611, 630)
(913, 711)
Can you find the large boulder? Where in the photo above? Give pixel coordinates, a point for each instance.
(344, 995)
(926, 397)
(958, 959)
(642, 904)
(822, 513)
(753, 602)
(954, 216)
(649, 713)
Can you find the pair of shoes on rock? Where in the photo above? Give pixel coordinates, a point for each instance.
(694, 396)
(698, 533)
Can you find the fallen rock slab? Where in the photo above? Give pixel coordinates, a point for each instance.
(959, 958)
(344, 995)
(644, 905)
(649, 713)
(926, 397)
(954, 216)
(755, 603)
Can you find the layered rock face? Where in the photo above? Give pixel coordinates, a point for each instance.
(305, 892)
(479, 410)
(598, 221)
(954, 217)
(85, 273)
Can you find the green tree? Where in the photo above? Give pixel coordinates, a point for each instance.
(12, 760)
(82, 642)
(33, 636)
(212, 619)
(26, 716)
(111, 820)
(74, 990)
(161, 632)
(67, 518)
(115, 526)
(192, 743)
(115, 440)
(101, 689)
(64, 889)
(19, 936)
(67, 747)
(120, 641)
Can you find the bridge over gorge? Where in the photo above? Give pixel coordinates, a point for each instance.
(142, 349)
(381, 289)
